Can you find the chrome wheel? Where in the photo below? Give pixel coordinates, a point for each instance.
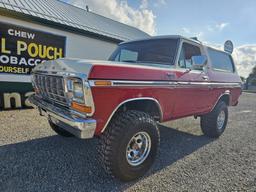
(221, 119)
(138, 148)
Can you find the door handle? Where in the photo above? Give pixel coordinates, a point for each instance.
(205, 78)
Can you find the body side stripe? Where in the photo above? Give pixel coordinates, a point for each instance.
(176, 84)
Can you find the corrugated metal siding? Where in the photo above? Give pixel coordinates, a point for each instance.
(65, 14)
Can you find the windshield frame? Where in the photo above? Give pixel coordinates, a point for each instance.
(148, 63)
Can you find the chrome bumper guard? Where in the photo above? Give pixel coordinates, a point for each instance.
(83, 128)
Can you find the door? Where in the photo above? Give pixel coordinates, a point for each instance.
(192, 89)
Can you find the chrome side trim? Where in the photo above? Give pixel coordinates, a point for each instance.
(144, 83)
(135, 83)
(133, 99)
(176, 84)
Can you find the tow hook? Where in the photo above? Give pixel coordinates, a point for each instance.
(41, 111)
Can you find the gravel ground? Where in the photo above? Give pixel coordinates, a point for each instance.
(33, 158)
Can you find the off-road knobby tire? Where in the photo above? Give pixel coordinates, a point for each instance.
(59, 130)
(114, 140)
(209, 121)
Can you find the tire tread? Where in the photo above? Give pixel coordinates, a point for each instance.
(208, 121)
(112, 135)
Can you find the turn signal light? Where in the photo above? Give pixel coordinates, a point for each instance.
(81, 108)
(102, 83)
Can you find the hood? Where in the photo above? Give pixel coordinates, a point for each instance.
(98, 69)
(65, 66)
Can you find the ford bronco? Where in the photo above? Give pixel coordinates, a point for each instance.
(122, 100)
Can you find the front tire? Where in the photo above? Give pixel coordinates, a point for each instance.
(129, 145)
(214, 123)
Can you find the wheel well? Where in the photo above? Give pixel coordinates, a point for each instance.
(225, 98)
(146, 105)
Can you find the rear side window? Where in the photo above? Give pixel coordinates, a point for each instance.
(221, 61)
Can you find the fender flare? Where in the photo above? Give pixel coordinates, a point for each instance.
(227, 92)
(133, 99)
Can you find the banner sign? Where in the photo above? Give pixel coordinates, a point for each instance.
(21, 49)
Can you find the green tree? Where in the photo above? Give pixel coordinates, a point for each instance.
(251, 78)
(253, 73)
(253, 82)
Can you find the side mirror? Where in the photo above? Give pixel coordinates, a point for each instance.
(198, 62)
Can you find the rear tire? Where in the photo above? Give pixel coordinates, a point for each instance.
(214, 123)
(60, 131)
(128, 146)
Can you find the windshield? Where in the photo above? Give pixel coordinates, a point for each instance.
(155, 51)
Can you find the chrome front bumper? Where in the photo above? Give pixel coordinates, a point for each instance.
(83, 128)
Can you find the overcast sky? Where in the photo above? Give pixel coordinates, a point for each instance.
(212, 21)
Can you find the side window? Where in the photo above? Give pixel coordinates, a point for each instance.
(221, 61)
(187, 51)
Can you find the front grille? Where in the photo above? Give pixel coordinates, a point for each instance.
(51, 88)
